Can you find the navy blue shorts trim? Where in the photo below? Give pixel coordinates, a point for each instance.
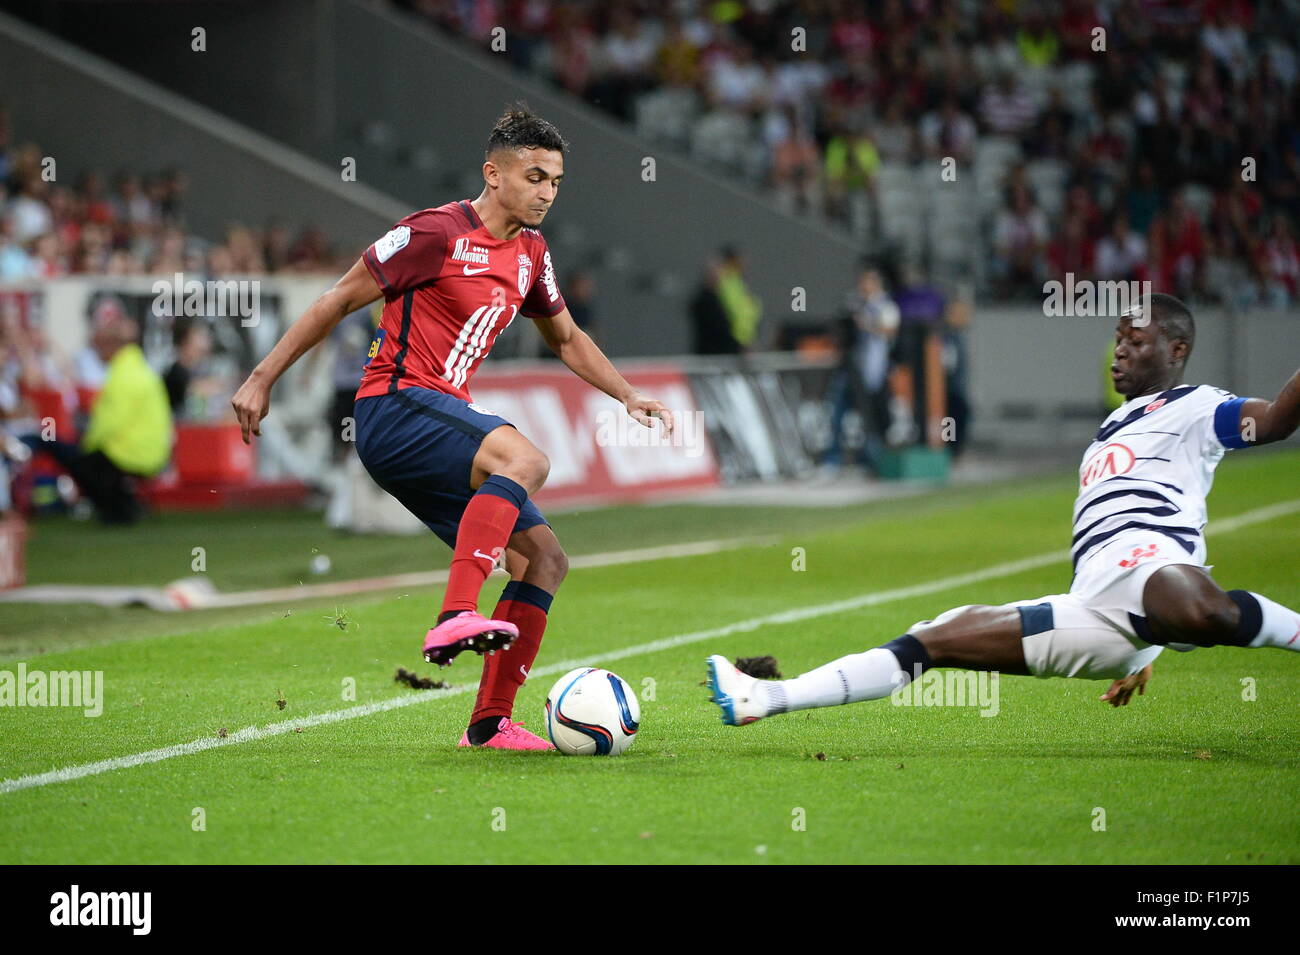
(419, 446)
(1036, 619)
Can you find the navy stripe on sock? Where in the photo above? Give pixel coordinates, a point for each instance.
(1252, 617)
(527, 593)
(912, 656)
(503, 487)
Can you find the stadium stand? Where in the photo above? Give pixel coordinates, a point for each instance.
(136, 226)
(1186, 85)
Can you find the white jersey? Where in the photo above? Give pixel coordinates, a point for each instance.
(1150, 468)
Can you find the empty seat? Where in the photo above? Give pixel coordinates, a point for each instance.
(666, 115)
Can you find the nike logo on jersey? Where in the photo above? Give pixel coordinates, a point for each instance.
(524, 672)
(469, 271)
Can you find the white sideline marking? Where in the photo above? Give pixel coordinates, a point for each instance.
(426, 578)
(250, 733)
(179, 596)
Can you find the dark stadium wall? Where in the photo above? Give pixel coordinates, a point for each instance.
(337, 78)
(259, 64)
(88, 114)
(1036, 381)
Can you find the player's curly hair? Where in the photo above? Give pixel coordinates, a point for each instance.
(520, 126)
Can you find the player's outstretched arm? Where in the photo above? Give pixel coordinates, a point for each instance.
(1265, 421)
(575, 348)
(355, 290)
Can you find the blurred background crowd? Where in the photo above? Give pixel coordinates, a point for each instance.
(130, 222)
(1174, 157)
(1126, 165)
(970, 151)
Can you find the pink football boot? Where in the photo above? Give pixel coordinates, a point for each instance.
(509, 736)
(468, 631)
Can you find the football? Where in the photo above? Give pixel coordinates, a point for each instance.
(592, 712)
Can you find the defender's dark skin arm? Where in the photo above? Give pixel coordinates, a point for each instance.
(1274, 420)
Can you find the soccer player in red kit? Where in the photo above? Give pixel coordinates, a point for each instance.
(453, 278)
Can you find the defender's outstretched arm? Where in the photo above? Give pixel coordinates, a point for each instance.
(1263, 422)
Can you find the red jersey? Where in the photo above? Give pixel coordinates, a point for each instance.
(450, 288)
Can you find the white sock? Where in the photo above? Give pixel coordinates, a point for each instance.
(1279, 628)
(860, 676)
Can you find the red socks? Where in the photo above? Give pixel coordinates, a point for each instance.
(504, 672)
(485, 529)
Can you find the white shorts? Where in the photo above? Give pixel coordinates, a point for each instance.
(1087, 633)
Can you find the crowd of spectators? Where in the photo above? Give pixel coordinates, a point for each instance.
(1169, 94)
(130, 224)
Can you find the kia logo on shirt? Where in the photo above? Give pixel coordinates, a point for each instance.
(1108, 461)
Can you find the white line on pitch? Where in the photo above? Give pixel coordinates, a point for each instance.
(430, 577)
(175, 597)
(251, 733)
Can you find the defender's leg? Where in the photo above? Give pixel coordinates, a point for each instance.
(976, 637)
(1183, 604)
(971, 637)
(1053, 636)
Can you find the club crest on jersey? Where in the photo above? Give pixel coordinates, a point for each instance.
(525, 273)
(1106, 462)
(1159, 402)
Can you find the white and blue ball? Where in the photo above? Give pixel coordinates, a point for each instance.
(592, 712)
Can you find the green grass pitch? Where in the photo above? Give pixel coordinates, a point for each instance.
(1191, 773)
